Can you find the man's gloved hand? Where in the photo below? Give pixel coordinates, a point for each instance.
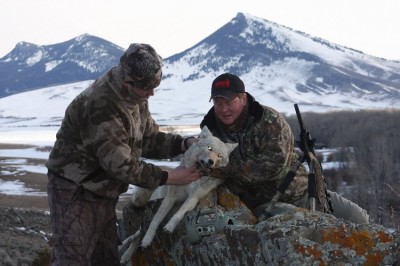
(217, 173)
(187, 142)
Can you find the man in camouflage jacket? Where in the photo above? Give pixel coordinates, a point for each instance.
(106, 131)
(265, 153)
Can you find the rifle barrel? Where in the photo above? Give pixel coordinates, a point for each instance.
(299, 118)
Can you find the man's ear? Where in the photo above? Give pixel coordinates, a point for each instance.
(244, 97)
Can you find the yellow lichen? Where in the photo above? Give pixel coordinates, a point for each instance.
(373, 259)
(229, 201)
(384, 237)
(360, 241)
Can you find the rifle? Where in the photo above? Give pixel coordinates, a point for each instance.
(316, 181)
(317, 189)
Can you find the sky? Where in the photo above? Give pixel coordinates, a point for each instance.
(371, 26)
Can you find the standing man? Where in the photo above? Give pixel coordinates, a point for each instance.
(106, 131)
(265, 153)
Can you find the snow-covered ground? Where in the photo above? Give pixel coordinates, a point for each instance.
(18, 158)
(19, 164)
(33, 118)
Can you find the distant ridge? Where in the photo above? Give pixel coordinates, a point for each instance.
(29, 66)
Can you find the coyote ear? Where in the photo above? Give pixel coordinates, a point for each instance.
(204, 133)
(231, 146)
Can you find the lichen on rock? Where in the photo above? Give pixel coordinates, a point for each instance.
(294, 237)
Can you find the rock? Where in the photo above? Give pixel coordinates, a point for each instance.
(23, 235)
(294, 237)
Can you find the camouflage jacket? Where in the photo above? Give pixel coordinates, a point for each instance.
(106, 131)
(263, 158)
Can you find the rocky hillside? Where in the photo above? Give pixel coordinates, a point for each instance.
(24, 235)
(294, 236)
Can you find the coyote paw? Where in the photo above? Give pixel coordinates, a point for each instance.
(148, 238)
(145, 243)
(169, 227)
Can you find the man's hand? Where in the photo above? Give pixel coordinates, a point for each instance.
(182, 175)
(187, 142)
(217, 173)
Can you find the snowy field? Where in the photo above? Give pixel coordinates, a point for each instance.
(18, 159)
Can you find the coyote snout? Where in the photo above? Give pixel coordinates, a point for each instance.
(207, 164)
(212, 160)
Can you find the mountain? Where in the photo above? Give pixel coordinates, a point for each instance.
(280, 67)
(280, 64)
(29, 66)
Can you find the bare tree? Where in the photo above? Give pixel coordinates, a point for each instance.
(368, 141)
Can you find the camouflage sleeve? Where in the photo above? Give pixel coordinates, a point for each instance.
(269, 151)
(160, 145)
(108, 135)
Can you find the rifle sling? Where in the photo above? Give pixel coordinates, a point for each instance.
(290, 175)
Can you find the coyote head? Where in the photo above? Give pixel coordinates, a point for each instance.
(209, 151)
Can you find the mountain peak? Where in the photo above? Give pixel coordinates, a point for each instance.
(85, 37)
(82, 36)
(24, 45)
(29, 66)
(21, 51)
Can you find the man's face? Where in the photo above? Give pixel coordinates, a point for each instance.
(141, 93)
(228, 111)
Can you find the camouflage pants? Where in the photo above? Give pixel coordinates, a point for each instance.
(342, 208)
(84, 225)
(348, 210)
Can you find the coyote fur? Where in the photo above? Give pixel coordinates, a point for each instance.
(208, 152)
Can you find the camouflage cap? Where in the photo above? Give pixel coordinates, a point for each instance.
(141, 66)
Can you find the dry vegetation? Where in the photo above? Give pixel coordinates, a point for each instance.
(368, 141)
